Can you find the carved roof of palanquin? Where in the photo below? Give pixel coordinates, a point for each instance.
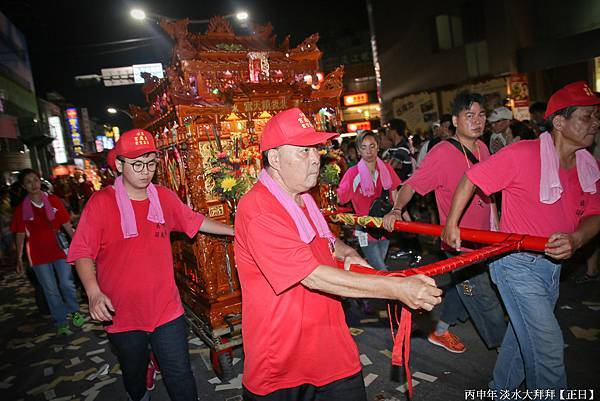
(220, 42)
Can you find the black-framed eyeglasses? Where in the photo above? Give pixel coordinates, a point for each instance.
(138, 166)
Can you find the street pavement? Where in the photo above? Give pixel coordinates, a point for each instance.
(35, 364)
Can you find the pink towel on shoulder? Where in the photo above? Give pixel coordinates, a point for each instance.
(128, 224)
(304, 228)
(28, 209)
(366, 180)
(550, 185)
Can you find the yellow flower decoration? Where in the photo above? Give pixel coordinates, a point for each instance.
(228, 183)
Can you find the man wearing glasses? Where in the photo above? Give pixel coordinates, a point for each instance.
(122, 252)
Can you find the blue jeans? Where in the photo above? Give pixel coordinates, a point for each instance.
(483, 305)
(375, 253)
(169, 344)
(61, 296)
(533, 347)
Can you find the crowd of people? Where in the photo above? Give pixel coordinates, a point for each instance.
(297, 345)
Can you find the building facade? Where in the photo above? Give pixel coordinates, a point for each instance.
(515, 52)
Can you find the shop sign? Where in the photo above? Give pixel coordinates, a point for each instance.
(58, 144)
(518, 91)
(155, 69)
(363, 125)
(356, 99)
(261, 105)
(74, 130)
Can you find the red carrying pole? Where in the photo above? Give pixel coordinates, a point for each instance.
(525, 242)
(442, 266)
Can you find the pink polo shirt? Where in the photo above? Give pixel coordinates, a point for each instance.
(441, 171)
(515, 170)
(349, 190)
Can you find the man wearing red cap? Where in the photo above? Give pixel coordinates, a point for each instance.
(122, 252)
(550, 189)
(297, 345)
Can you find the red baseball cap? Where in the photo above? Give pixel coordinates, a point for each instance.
(134, 143)
(291, 127)
(574, 94)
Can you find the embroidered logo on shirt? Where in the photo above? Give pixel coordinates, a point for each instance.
(160, 231)
(579, 212)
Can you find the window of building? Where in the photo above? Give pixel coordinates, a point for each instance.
(449, 31)
(477, 58)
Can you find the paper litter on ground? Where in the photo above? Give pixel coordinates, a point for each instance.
(96, 359)
(404, 388)
(355, 332)
(585, 334)
(370, 378)
(387, 353)
(425, 376)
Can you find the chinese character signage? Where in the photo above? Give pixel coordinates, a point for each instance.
(74, 130)
(58, 144)
(356, 99)
(261, 105)
(363, 125)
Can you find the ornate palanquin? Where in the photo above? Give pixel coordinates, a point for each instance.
(218, 93)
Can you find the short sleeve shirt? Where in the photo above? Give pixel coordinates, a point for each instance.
(516, 171)
(441, 171)
(292, 335)
(350, 190)
(42, 246)
(135, 273)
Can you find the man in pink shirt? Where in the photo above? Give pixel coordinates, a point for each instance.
(440, 171)
(550, 189)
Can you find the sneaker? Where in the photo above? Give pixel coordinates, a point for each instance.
(77, 319)
(448, 341)
(63, 330)
(150, 376)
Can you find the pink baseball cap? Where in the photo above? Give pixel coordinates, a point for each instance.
(292, 127)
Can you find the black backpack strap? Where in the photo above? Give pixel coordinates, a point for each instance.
(464, 150)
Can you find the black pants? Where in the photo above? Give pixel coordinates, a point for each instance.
(351, 388)
(169, 344)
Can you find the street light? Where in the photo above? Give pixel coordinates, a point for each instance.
(138, 14)
(241, 16)
(141, 15)
(114, 110)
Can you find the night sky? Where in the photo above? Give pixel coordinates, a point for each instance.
(65, 37)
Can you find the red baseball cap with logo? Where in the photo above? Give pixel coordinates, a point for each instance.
(134, 143)
(574, 94)
(292, 127)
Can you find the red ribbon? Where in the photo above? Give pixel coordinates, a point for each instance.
(401, 350)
